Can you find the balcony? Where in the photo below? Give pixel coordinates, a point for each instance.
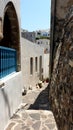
(8, 61)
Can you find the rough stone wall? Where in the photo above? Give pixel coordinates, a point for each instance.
(61, 63)
(28, 35)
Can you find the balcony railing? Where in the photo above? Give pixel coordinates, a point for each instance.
(8, 63)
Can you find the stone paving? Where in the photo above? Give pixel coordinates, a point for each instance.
(32, 120)
(32, 115)
(37, 99)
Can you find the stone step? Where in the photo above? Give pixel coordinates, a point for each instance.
(32, 120)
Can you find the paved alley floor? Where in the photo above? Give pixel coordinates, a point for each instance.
(34, 113)
(37, 99)
(32, 120)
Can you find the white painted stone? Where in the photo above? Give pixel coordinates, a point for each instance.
(28, 50)
(10, 97)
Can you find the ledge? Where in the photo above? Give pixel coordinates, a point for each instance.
(8, 77)
(1, 84)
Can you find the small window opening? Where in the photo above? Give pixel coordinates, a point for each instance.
(36, 64)
(31, 65)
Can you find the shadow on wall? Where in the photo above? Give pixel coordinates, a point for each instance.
(6, 101)
(42, 101)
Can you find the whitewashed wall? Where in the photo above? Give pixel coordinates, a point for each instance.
(28, 50)
(10, 92)
(46, 66)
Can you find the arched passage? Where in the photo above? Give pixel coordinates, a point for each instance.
(11, 34)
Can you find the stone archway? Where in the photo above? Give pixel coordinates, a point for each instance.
(11, 32)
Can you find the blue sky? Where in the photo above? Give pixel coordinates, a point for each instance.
(35, 14)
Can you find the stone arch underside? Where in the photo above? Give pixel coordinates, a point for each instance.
(11, 32)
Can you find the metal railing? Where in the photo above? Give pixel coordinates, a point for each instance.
(7, 61)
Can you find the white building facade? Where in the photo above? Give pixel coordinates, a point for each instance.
(21, 61)
(10, 63)
(43, 40)
(32, 63)
(45, 43)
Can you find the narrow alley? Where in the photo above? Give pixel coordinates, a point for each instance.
(31, 57)
(34, 113)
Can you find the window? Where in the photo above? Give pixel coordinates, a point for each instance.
(8, 63)
(38, 33)
(40, 67)
(47, 43)
(31, 65)
(36, 64)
